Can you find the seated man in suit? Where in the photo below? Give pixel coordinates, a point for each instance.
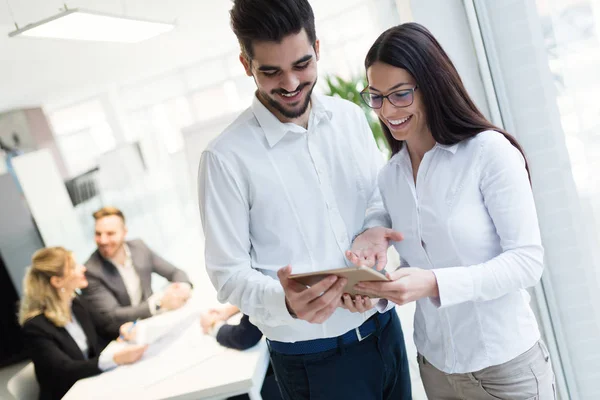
(119, 275)
(240, 337)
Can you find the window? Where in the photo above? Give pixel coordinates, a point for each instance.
(83, 133)
(545, 73)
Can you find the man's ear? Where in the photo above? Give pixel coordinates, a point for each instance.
(246, 63)
(316, 47)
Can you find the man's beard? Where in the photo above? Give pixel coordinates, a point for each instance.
(286, 112)
(104, 253)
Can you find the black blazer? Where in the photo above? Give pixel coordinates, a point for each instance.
(57, 359)
(239, 337)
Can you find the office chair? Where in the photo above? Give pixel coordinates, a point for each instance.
(23, 385)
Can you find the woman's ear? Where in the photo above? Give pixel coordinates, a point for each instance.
(56, 281)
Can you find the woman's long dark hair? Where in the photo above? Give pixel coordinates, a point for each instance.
(451, 114)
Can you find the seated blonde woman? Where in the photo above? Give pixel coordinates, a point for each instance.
(58, 331)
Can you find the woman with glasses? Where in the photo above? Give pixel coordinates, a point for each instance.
(58, 331)
(457, 187)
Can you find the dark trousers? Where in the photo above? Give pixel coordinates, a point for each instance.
(373, 369)
(269, 390)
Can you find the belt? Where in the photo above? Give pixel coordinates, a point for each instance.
(319, 345)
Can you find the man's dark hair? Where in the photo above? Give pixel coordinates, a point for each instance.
(270, 21)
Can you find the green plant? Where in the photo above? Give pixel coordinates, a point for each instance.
(350, 90)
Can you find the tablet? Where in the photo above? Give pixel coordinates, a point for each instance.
(353, 274)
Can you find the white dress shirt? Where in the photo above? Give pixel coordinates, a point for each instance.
(130, 277)
(471, 219)
(133, 284)
(273, 194)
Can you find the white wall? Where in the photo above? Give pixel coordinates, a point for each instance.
(447, 21)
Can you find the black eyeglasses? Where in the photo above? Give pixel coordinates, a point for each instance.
(399, 98)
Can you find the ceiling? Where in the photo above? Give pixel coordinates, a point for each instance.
(38, 71)
(35, 72)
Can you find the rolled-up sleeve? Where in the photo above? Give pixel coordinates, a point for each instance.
(225, 214)
(508, 197)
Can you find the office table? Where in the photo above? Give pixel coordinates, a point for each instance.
(183, 365)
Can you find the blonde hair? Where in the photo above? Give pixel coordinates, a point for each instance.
(107, 212)
(39, 296)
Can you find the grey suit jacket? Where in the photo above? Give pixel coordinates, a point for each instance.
(106, 293)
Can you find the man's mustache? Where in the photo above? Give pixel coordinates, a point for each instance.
(283, 91)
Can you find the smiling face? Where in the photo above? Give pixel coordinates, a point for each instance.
(285, 74)
(110, 235)
(405, 123)
(73, 277)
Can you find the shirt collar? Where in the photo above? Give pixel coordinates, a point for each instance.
(275, 130)
(448, 147)
(400, 156)
(403, 153)
(128, 261)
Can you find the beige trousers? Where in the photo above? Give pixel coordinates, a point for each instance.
(526, 377)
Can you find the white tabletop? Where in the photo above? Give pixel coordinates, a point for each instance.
(184, 364)
(227, 374)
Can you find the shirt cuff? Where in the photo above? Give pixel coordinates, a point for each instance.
(214, 331)
(275, 297)
(384, 305)
(378, 218)
(153, 301)
(106, 361)
(455, 286)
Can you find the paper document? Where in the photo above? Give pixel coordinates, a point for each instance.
(152, 329)
(164, 358)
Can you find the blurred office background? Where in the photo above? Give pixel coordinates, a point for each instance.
(124, 124)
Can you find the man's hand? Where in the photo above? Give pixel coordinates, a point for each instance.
(208, 320)
(359, 304)
(224, 313)
(176, 295)
(314, 304)
(183, 289)
(211, 317)
(407, 284)
(370, 247)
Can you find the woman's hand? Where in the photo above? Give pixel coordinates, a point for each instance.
(359, 304)
(127, 332)
(129, 354)
(370, 247)
(407, 284)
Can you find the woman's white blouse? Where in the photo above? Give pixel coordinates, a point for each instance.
(105, 360)
(471, 219)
